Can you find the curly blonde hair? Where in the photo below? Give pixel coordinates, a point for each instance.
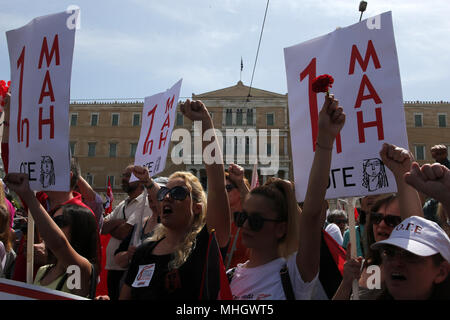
(198, 195)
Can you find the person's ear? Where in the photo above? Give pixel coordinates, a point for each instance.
(444, 269)
(281, 230)
(197, 208)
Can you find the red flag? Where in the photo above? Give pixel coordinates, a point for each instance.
(109, 199)
(255, 180)
(332, 259)
(356, 214)
(215, 285)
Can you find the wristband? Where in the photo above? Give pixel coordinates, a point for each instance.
(150, 186)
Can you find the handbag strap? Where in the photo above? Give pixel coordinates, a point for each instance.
(93, 282)
(287, 285)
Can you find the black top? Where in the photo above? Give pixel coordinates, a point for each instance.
(180, 284)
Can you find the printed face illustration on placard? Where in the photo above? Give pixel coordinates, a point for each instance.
(47, 177)
(374, 175)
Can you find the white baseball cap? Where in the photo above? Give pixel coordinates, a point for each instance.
(419, 236)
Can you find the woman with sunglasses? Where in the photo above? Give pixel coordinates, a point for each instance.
(71, 237)
(169, 265)
(284, 241)
(385, 215)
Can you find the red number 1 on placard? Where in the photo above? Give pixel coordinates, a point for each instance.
(310, 72)
(21, 123)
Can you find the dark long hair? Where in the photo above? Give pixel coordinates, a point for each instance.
(84, 237)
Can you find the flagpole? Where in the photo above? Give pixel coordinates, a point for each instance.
(242, 67)
(233, 249)
(136, 238)
(30, 248)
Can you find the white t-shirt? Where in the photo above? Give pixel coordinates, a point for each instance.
(131, 215)
(264, 282)
(335, 232)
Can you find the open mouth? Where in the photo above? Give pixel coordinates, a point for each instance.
(383, 235)
(167, 210)
(396, 276)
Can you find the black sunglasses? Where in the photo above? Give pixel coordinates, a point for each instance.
(255, 220)
(390, 220)
(176, 193)
(230, 187)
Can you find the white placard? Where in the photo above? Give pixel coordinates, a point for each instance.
(362, 59)
(16, 290)
(40, 56)
(158, 120)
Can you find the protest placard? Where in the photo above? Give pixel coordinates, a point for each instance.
(362, 59)
(41, 55)
(158, 120)
(16, 290)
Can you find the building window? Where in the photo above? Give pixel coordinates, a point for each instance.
(133, 148)
(115, 119)
(247, 146)
(270, 119)
(113, 150)
(136, 119)
(269, 149)
(250, 117)
(229, 117)
(90, 179)
(418, 121)
(91, 149)
(73, 119)
(94, 119)
(72, 148)
(420, 152)
(180, 119)
(239, 117)
(442, 120)
(111, 181)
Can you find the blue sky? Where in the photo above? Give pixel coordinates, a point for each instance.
(136, 48)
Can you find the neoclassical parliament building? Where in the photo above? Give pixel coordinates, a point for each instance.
(104, 135)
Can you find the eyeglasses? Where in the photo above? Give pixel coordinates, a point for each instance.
(339, 221)
(230, 187)
(390, 252)
(176, 193)
(255, 220)
(390, 220)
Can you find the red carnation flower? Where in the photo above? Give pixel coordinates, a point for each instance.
(3, 91)
(322, 83)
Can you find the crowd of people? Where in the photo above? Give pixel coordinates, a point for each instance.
(271, 245)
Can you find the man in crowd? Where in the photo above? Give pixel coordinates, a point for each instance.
(119, 224)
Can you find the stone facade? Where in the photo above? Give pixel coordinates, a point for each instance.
(103, 135)
(427, 124)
